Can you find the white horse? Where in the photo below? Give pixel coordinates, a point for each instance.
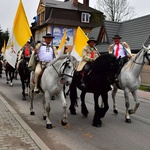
(129, 80)
(58, 73)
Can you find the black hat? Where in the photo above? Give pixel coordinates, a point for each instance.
(116, 37)
(92, 39)
(48, 35)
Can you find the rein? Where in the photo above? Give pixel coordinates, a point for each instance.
(65, 64)
(145, 55)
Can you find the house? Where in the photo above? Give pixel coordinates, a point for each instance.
(55, 16)
(135, 32)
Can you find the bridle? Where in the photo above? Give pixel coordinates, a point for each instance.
(63, 67)
(146, 55)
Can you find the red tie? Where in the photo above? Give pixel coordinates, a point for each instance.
(117, 50)
(26, 51)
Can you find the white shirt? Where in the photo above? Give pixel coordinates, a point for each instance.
(121, 51)
(45, 53)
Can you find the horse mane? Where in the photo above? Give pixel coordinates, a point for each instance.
(73, 59)
(102, 63)
(56, 59)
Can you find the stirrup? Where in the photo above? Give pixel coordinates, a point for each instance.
(83, 85)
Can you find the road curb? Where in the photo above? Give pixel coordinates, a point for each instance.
(30, 132)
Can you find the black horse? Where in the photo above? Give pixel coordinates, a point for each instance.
(24, 77)
(101, 76)
(9, 71)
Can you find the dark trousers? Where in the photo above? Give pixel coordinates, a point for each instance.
(122, 61)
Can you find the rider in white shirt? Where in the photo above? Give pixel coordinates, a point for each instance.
(45, 54)
(121, 50)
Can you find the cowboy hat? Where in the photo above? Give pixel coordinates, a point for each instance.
(117, 37)
(92, 39)
(48, 35)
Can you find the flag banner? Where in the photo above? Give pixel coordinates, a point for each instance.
(61, 47)
(4, 47)
(80, 41)
(19, 35)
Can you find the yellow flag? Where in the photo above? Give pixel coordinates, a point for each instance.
(4, 47)
(80, 41)
(62, 44)
(20, 34)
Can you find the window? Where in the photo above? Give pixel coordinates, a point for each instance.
(85, 17)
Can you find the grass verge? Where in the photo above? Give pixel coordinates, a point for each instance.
(144, 88)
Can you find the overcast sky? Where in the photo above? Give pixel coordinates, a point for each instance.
(8, 10)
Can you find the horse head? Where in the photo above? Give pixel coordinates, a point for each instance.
(67, 69)
(147, 54)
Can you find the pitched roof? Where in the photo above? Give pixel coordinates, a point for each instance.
(94, 32)
(135, 32)
(68, 5)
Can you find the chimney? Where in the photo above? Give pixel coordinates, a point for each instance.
(75, 2)
(86, 2)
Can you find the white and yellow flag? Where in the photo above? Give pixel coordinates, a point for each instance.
(19, 35)
(80, 41)
(61, 47)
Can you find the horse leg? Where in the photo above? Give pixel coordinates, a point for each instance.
(137, 103)
(32, 95)
(11, 76)
(64, 105)
(103, 110)
(7, 79)
(23, 90)
(48, 109)
(73, 98)
(96, 120)
(64, 88)
(114, 91)
(127, 105)
(100, 111)
(84, 109)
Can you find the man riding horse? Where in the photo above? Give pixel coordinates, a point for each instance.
(25, 53)
(121, 50)
(45, 54)
(89, 54)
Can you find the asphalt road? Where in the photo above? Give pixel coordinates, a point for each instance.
(79, 134)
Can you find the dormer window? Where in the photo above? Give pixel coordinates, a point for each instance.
(85, 17)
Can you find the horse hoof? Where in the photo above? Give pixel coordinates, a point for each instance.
(115, 111)
(128, 120)
(32, 113)
(49, 126)
(23, 98)
(85, 115)
(52, 98)
(97, 125)
(63, 123)
(44, 117)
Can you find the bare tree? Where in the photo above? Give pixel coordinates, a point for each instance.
(115, 10)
